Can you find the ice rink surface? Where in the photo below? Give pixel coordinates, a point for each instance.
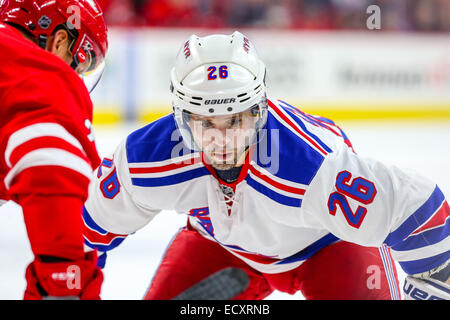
(423, 147)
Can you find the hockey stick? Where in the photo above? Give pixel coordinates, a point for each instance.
(222, 285)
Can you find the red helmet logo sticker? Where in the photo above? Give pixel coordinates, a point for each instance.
(81, 56)
(87, 46)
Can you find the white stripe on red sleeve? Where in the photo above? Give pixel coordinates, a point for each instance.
(36, 131)
(49, 157)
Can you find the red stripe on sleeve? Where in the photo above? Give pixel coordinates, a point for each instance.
(95, 237)
(277, 184)
(438, 219)
(172, 166)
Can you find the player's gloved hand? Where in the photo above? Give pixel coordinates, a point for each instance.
(432, 285)
(52, 279)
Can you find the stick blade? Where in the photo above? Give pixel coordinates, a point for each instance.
(222, 285)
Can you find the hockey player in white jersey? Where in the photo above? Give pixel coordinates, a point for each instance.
(275, 198)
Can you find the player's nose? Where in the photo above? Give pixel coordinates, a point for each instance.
(222, 137)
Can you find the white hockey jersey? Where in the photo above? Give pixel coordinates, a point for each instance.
(301, 189)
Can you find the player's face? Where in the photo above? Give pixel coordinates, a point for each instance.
(223, 139)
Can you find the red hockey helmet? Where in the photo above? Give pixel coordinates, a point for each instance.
(83, 19)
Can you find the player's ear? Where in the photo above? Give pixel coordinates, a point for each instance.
(59, 43)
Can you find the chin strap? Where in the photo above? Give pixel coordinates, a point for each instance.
(74, 64)
(42, 41)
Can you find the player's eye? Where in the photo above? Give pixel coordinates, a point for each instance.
(206, 124)
(254, 111)
(235, 121)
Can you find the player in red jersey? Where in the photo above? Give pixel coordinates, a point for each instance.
(46, 139)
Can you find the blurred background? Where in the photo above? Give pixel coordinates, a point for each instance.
(385, 81)
(409, 15)
(321, 55)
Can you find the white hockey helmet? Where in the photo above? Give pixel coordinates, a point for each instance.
(217, 75)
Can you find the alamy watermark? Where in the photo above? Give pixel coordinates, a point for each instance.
(265, 142)
(373, 22)
(72, 277)
(374, 278)
(74, 19)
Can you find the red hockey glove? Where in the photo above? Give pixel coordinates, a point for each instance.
(64, 280)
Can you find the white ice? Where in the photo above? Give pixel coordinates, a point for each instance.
(424, 147)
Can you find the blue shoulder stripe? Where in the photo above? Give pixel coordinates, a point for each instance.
(156, 142)
(285, 155)
(170, 180)
(297, 120)
(275, 196)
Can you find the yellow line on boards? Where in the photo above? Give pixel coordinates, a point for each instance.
(333, 112)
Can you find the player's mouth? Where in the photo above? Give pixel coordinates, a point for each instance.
(222, 156)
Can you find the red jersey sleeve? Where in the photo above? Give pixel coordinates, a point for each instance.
(48, 148)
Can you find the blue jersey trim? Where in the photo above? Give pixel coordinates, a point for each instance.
(423, 265)
(417, 219)
(156, 141)
(103, 247)
(94, 226)
(285, 155)
(311, 249)
(423, 239)
(282, 199)
(297, 120)
(91, 223)
(170, 180)
(101, 260)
